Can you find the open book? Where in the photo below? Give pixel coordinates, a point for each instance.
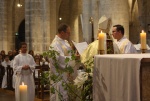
(80, 46)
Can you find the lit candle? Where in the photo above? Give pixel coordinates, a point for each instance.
(23, 92)
(143, 40)
(102, 40)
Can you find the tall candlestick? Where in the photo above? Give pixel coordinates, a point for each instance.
(102, 39)
(143, 40)
(23, 92)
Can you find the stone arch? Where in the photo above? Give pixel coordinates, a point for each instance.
(10, 26)
(20, 35)
(64, 11)
(21, 31)
(14, 17)
(69, 11)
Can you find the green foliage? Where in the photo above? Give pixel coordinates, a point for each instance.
(75, 94)
(89, 64)
(55, 78)
(87, 89)
(45, 78)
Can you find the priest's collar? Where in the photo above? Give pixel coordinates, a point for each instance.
(60, 38)
(121, 39)
(23, 53)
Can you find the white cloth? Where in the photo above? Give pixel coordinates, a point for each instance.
(14, 76)
(125, 46)
(25, 76)
(116, 77)
(62, 47)
(4, 81)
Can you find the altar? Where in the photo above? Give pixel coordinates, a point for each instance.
(121, 77)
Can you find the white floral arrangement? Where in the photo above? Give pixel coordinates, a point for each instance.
(81, 78)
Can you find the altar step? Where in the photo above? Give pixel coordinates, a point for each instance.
(9, 95)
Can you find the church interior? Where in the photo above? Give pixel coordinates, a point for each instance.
(36, 21)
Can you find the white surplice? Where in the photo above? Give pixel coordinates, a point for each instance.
(4, 82)
(61, 46)
(25, 76)
(14, 76)
(125, 46)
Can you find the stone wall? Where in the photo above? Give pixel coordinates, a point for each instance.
(41, 19)
(140, 18)
(134, 24)
(3, 25)
(70, 12)
(116, 10)
(144, 16)
(11, 17)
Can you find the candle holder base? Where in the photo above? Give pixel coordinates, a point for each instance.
(101, 52)
(143, 50)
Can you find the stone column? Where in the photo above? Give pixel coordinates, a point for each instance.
(87, 10)
(37, 25)
(54, 5)
(118, 11)
(3, 25)
(75, 12)
(95, 15)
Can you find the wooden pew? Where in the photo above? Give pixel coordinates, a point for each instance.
(45, 68)
(37, 80)
(145, 79)
(2, 72)
(39, 87)
(9, 77)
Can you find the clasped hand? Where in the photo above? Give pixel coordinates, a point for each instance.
(25, 67)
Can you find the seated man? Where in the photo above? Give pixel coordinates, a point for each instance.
(124, 45)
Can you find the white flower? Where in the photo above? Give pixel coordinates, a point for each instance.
(81, 78)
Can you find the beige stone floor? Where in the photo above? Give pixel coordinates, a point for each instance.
(8, 95)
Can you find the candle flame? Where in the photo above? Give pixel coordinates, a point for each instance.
(23, 83)
(101, 31)
(142, 31)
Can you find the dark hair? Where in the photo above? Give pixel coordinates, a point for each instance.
(31, 52)
(6, 56)
(119, 28)
(62, 27)
(22, 43)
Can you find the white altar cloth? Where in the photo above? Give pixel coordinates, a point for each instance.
(116, 77)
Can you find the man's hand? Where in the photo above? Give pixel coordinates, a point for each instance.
(25, 67)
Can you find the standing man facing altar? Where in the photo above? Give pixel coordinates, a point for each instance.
(61, 45)
(23, 66)
(124, 45)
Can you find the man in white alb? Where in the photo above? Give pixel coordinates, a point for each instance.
(124, 45)
(5, 63)
(61, 45)
(23, 66)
